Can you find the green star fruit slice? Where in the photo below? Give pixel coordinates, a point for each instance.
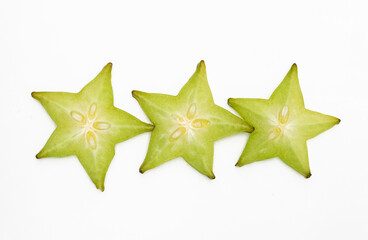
(187, 125)
(282, 125)
(88, 125)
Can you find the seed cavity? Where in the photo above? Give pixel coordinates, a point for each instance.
(91, 139)
(92, 111)
(78, 117)
(180, 131)
(191, 111)
(284, 115)
(101, 125)
(275, 133)
(200, 123)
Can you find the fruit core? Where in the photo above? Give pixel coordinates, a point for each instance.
(90, 124)
(281, 124)
(187, 123)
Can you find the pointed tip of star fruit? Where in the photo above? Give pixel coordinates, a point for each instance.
(150, 127)
(101, 187)
(336, 120)
(294, 68)
(231, 101)
(239, 164)
(211, 176)
(141, 170)
(35, 95)
(40, 155)
(136, 93)
(248, 128)
(201, 65)
(243, 161)
(107, 70)
(109, 65)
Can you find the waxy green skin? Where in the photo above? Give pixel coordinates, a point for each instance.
(282, 125)
(88, 125)
(187, 125)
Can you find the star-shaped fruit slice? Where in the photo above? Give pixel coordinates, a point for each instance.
(282, 125)
(88, 125)
(187, 125)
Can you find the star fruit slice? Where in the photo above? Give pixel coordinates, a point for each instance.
(88, 125)
(187, 125)
(282, 125)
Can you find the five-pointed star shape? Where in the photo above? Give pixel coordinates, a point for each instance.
(88, 125)
(282, 125)
(187, 125)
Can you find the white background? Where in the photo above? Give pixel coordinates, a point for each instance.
(248, 47)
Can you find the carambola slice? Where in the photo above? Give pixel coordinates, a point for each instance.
(88, 125)
(282, 125)
(187, 125)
